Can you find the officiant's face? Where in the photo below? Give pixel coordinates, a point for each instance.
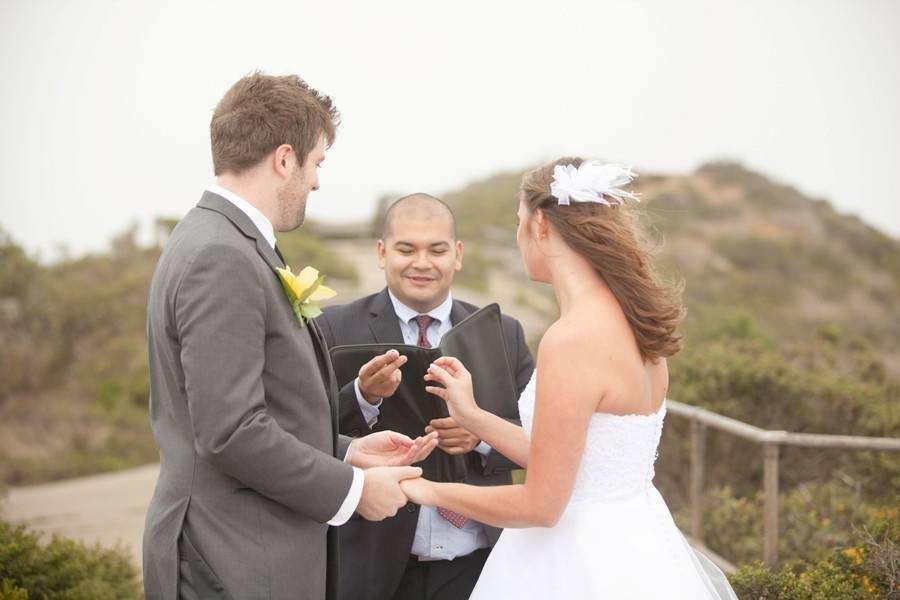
(420, 257)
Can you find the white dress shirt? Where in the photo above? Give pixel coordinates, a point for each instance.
(265, 228)
(435, 538)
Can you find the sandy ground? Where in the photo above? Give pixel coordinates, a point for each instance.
(107, 508)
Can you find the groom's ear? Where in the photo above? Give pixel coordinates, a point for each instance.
(281, 159)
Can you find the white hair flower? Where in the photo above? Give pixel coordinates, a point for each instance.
(592, 182)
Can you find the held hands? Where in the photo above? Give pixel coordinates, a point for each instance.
(380, 377)
(382, 494)
(387, 489)
(457, 390)
(384, 456)
(420, 491)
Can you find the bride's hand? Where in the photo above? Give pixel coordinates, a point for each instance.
(419, 491)
(457, 390)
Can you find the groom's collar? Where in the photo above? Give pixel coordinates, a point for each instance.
(217, 203)
(262, 223)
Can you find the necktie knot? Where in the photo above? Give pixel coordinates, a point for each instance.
(424, 321)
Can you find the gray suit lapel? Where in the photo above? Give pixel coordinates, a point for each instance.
(327, 371)
(458, 312)
(384, 324)
(214, 202)
(211, 201)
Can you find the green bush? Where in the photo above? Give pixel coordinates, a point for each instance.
(63, 568)
(813, 519)
(475, 272)
(835, 384)
(867, 569)
(304, 247)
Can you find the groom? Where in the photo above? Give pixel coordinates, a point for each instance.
(243, 398)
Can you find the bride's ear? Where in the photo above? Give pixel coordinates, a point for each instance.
(540, 224)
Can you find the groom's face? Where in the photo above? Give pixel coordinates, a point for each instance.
(419, 258)
(293, 195)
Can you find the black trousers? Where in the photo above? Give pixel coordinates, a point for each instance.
(441, 579)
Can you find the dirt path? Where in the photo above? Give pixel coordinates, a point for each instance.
(107, 508)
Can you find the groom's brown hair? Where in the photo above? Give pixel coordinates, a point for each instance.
(260, 112)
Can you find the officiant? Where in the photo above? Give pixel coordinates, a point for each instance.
(422, 553)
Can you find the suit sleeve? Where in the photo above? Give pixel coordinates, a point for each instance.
(220, 320)
(523, 367)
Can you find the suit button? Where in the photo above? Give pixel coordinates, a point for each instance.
(410, 507)
(354, 433)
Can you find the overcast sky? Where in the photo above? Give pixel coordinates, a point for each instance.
(106, 105)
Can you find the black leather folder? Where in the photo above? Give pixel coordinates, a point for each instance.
(478, 342)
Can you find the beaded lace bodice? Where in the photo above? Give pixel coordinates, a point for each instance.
(619, 451)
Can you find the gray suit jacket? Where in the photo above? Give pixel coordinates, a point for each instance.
(375, 555)
(243, 406)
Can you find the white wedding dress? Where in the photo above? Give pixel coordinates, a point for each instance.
(616, 539)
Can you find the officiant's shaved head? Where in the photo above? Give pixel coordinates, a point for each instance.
(418, 207)
(419, 251)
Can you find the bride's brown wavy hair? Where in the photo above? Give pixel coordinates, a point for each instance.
(612, 241)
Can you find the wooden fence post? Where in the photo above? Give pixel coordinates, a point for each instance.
(770, 506)
(698, 444)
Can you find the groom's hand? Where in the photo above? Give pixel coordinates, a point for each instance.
(389, 449)
(452, 438)
(382, 496)
(381, 376)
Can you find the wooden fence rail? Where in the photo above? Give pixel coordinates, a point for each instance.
(771, 442)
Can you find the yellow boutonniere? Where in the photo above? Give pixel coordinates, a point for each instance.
(304, 290)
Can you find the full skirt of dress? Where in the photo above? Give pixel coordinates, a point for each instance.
(623, 549)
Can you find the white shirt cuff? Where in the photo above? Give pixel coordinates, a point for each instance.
(351, 501)
(370, 412)
(483, 449)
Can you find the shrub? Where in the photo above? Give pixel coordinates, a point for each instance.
(63, 568)
(866, 569)
(475, 271)
(304, 247)
(813, 519)
(835, 385)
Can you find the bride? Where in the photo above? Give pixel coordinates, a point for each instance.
(588, 522)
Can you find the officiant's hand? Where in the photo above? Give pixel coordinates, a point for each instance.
(382, 496)
(457, 390)
(452, 438)
(381, 376)
(389, 449)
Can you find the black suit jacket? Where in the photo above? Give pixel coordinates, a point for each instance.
(374, 555)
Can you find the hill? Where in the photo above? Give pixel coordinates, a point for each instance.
(741, 242)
